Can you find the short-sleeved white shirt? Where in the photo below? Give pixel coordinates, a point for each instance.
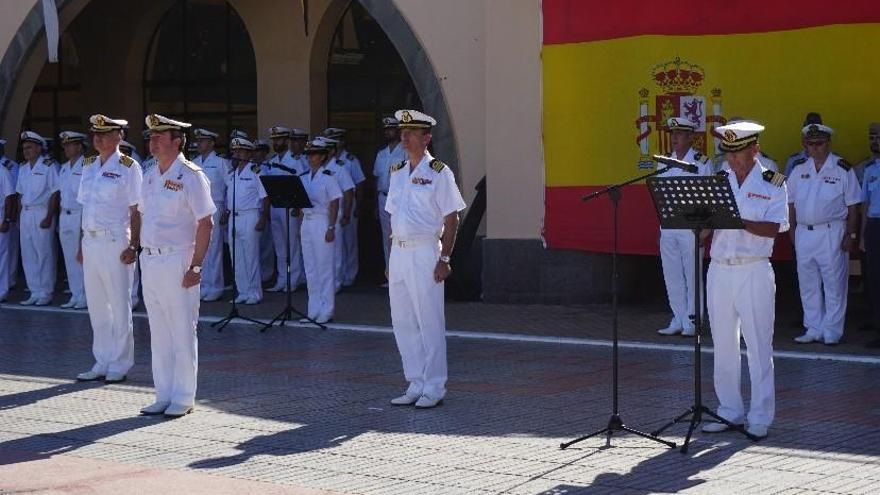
(216, 169)
(340, 173)
(353, 165)
(69, 177)
(108, 190)
(419, 200)
(289, 161)
(7, 188)
(173, 203)
(760, 201)
(248, 189)
(37, 182)
(322, 189)
(823, 196)
(385, 158)
(693, 157)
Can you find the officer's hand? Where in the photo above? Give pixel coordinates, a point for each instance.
(847, 244)
(345, 220)
(46, 223)
(79, 256)
(441, 271)
(330, 236)
(261, 224)
(191, 279)
(128, 256)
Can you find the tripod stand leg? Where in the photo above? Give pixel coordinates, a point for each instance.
(649, 436)
(695, 420)
(732, 426)
(677, 420)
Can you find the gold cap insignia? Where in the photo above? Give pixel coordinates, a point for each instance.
(406, 117)
(729, 136)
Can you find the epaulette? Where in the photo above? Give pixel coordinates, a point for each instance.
(794, 154)
(328, 172)
(126, 160)
(190, 165)
(844, 164)
(339, 161)
(799, 161)
(722, 173)
(437, 165)
(48, 161)
(700, 157)
(89, 160)
(255, 168)
(774, 178)
(397, 166)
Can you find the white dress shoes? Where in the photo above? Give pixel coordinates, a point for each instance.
(177, 411)
(759, 431)
(155, 408)
(426, 402)
(43, 301)
(715, 427)
(80, 305)
(406, 399)
(114, 378)
(29, 301)
(688, 331)
(69, 304)
(252, 301)
(89, 376)
(806, 339)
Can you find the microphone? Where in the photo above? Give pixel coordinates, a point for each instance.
(672, 162)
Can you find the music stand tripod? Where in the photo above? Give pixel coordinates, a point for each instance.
(696, 203)
(233, 312)
(287, 191)
(614, 422)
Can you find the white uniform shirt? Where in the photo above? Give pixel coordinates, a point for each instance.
(7, 188)
(760, 201)
(353, 165)
(107, 191)
(70, 176)
(289, 161)
(13, 168)
(823, 196)
(419, 201)
(789, 164)
(38, 182)
(693, 157)
(340, 173)
(148, 163)
(385, 158)
(173, 203)
(248, 189)
(217, 170)
(322, 189)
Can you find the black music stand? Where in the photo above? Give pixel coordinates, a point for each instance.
(615, 423)
(696, 203)
(287, 191)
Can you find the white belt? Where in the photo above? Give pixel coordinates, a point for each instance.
(245, 212)
(413, 243)
(157, 251)
(738, 261)
(35, 207)
(96, 232)
(313, 215)
(823, 225)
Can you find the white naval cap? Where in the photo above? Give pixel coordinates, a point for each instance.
(238, 133)
(72, 137)
(103, 123)
(414, 119)
(202, 133)
(334, 132)
(297, 133)
(32, 137)
(317, 145)
(327, 142)
(680, 124)
(160, 123)
(240, 143)
(261, 143)
(2, 142)
(739, 135)
(817, 131)
(279, 131)
(390, 123)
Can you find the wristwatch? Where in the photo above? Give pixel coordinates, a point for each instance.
(197, 269)
(132, 247)
(445, 259)
(331, 227)
(853, 235)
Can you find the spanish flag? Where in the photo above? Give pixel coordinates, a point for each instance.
(614, 72)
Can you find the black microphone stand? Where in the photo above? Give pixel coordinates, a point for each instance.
(233, 312)
(615, 423)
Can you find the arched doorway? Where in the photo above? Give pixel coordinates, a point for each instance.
(200, 67)
(366, 80)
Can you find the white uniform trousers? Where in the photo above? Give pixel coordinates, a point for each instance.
(350, 251)
(267, 254)
(135, 282)
(279, 233)
(108, 287)
(69, 225)
(741, 301)
(247, 253)
(385, 223)
(37, 252)
(14, 252)
(338, 255)
(173, 312)
(677, 258)
(212, 284)
(5, 263)
(318, 259)
(823, 272)
(417, 316)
